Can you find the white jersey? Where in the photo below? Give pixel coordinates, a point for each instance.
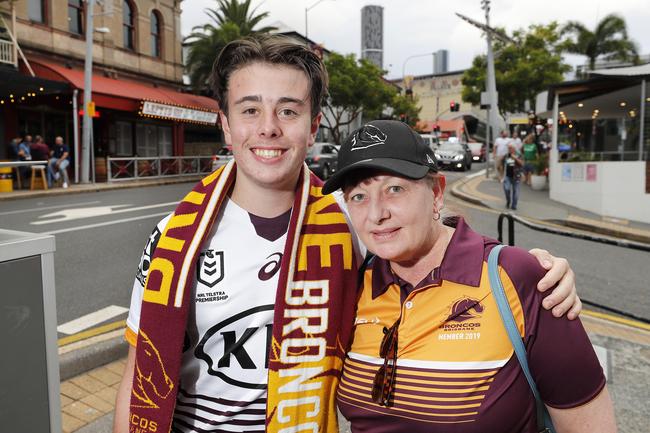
(224, 369)
(225, 360)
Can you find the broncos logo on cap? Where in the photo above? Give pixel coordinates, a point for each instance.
(465, 309)
(368, 136)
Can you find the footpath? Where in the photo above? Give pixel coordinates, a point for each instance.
(91, 369)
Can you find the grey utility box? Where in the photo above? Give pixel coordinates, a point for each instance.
(29, 363)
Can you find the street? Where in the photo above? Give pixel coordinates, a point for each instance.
(100, 236)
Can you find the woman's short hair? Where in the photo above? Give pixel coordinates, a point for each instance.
(275, 50)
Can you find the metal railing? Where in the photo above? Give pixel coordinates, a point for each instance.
(7, 52)
(573, 234)
(132, 168)
(581, 156)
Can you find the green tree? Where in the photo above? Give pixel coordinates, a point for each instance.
(356, 88)
(523, 68)
(609, 39)
(231, 20)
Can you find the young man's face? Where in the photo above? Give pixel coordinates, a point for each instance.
(269, 124)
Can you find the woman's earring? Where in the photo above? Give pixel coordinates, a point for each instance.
(436, 215)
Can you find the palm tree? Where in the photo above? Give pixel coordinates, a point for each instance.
(609, 39)
(229, 21)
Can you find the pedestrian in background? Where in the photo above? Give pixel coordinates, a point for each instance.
(500, 151)
(516, 140)
(58, 165)
(25, 154)
(39, 150)
(512, 165)
(530, 154)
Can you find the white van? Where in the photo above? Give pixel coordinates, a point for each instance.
(431, 140)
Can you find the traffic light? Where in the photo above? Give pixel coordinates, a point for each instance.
(454, 106)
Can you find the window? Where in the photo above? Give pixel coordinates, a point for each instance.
(75, 16)
(36, 10)
(156, 32)
(153, 140)
(124, 139)
(128, 24)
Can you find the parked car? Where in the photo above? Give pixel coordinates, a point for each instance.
(478, 150)
(222, 157)
(453, 155)
(322, 159)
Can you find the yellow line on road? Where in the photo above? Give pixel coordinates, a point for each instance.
(91, 332)
(617, 319)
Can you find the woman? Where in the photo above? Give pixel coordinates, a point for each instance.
(512, 164)
(429, 351)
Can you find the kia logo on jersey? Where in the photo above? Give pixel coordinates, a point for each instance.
(210, 269)
(237, 345)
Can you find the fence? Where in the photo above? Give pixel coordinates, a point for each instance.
(579, 235)
(131, 168)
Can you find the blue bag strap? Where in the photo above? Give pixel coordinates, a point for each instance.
(544, 423)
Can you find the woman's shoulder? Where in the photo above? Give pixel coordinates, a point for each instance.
(522, 268)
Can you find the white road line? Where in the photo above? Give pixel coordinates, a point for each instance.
(106, 223)
(38, 209)
(133, 209)
(90, 320)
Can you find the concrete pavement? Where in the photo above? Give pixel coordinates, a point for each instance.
(91, 369)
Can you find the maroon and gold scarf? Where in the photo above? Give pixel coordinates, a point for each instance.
(312, 322)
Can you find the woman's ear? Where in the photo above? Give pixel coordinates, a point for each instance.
(439, 191)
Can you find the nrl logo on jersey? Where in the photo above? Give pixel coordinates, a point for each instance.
(210, 268)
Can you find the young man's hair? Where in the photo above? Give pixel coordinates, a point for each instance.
(275, 50)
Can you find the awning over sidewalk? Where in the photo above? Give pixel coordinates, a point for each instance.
(20, 85)
(147, 100)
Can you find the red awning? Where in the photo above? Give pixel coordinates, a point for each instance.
(124, 94)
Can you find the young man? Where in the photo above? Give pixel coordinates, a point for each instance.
(243, 304)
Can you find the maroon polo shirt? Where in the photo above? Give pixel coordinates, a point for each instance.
(456, 369)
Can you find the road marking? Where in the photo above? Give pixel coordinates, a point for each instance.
(38, 209)
(120, 325)
(81, 213)
(617, 319)
(106, 223)
(89, 320)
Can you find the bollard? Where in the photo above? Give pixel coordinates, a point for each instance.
(6, 181)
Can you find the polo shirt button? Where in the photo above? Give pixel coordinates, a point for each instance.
(408, 305)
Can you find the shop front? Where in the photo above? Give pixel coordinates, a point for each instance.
(135, 119)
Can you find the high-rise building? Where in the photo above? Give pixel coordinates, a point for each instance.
(372, 34)
(441, 62)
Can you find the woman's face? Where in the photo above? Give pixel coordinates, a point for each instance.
(394, 216)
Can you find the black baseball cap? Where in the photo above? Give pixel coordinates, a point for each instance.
(387, 145)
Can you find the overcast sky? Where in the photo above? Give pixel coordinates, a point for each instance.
(413, 27)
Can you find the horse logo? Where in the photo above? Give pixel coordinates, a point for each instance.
(368, 136)
(209, 269)
(151, 379)
(465, 309)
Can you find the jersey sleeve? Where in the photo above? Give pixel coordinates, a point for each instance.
(133, 320)
(561, 358)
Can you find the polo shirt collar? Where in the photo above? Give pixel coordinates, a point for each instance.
(462, 263)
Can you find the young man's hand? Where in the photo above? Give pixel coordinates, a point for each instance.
(564, 298)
